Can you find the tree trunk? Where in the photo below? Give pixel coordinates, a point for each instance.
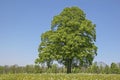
(69, 62)
(48, 64)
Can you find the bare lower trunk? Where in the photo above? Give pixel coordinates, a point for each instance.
(69, 62)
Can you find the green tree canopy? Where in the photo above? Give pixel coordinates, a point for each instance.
(72, 37)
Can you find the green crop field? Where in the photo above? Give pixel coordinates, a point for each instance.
(59, 77)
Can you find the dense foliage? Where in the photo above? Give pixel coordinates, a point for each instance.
(70, 40)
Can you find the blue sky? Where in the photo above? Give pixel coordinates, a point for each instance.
(23, 21)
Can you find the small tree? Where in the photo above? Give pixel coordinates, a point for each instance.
(114, 68)
(107, 69)
(71, 37)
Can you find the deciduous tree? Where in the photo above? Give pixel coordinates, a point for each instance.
(72, 37)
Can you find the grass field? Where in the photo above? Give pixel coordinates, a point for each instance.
(59, 77)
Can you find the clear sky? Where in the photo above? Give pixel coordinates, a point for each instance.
(23, 21)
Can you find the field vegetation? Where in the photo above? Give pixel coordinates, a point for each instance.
(59, 76)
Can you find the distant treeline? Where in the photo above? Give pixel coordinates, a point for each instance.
(97, 67)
